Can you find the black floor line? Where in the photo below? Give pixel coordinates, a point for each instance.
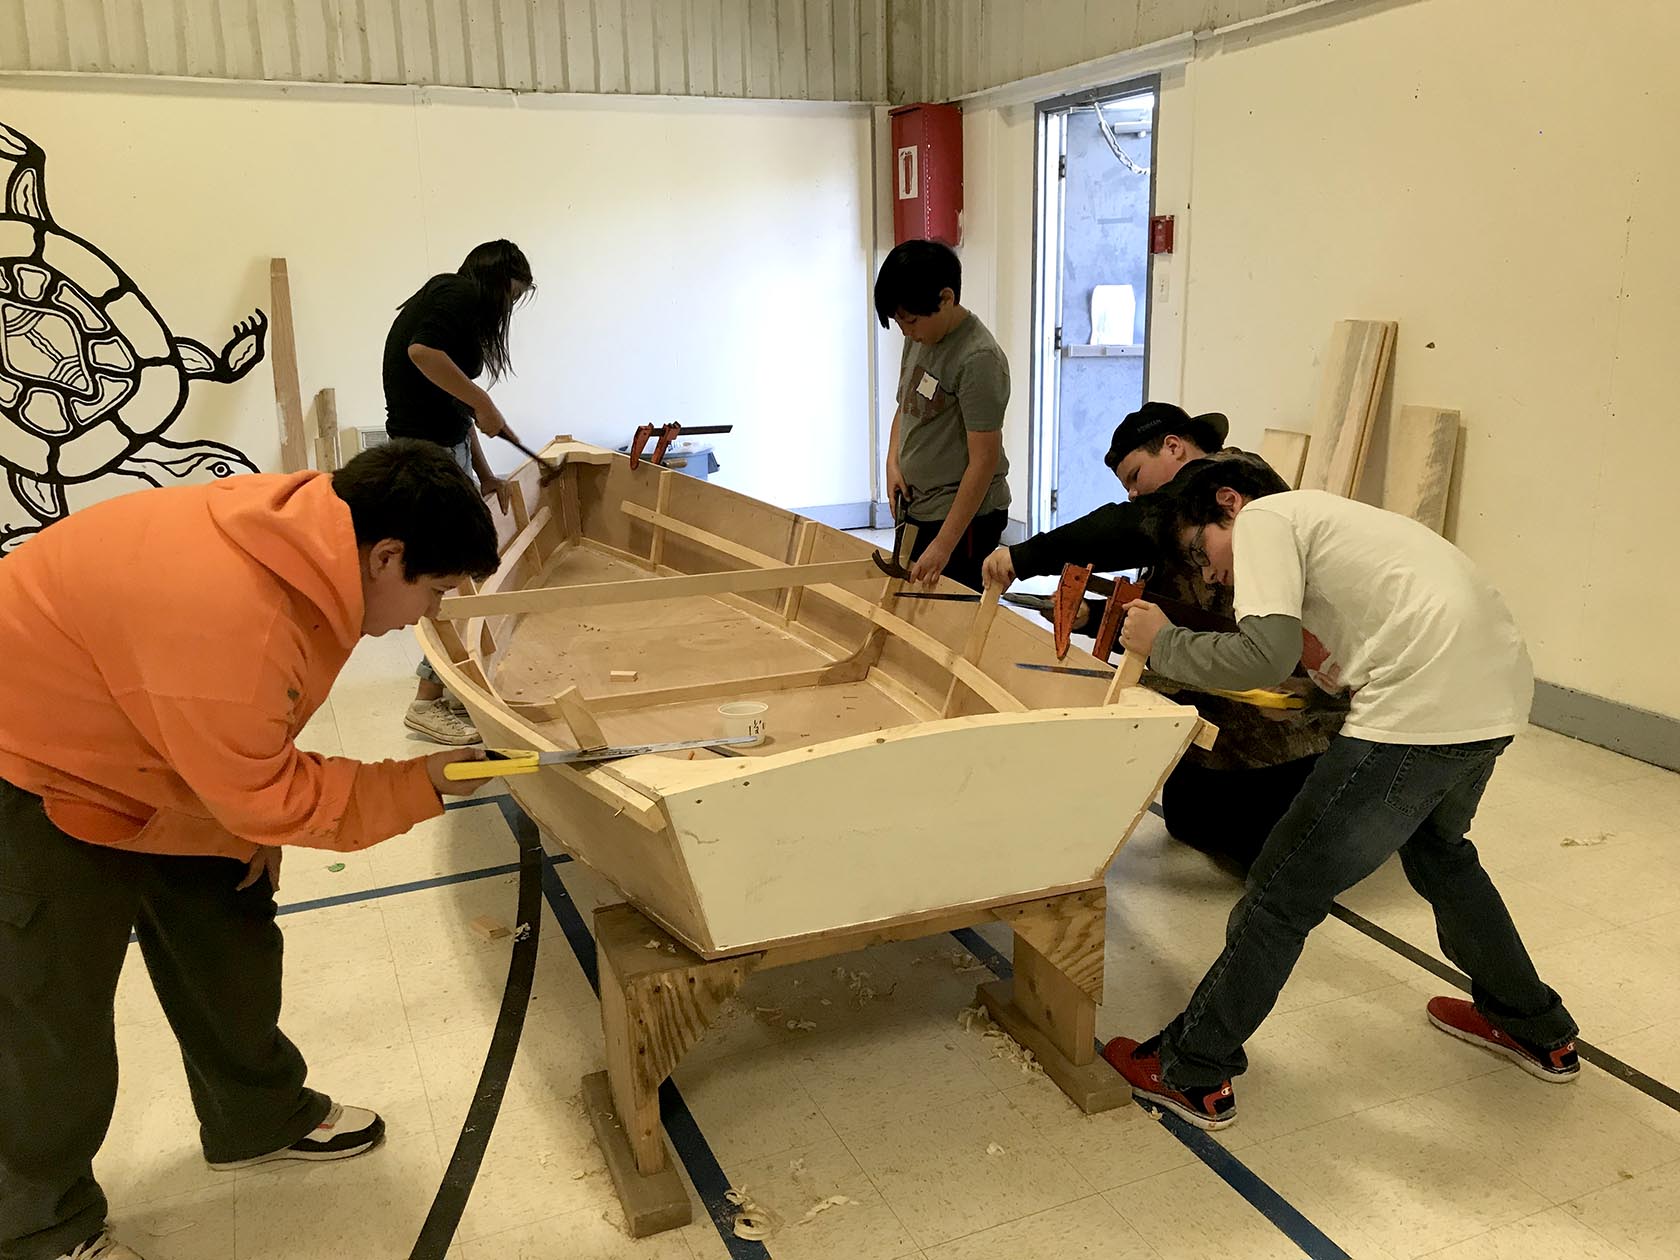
(1603, 1059)
(710, 1181)
(1648, 1085)
(444, 1219)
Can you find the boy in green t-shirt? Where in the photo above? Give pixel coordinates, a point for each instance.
(945, 457)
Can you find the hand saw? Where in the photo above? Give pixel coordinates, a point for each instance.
(1259, 697)
(503, 762)
(1178, 611)
(1038, 603)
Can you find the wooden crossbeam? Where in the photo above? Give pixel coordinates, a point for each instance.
(975, 679)
(979, 630)
(594, 594)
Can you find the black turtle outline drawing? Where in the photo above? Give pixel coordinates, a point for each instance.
(90, 375)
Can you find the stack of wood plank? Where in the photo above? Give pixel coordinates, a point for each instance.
(1422, 441)
(1354, 373)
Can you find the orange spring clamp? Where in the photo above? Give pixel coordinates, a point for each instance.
(644, 434)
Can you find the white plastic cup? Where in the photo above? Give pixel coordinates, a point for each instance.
(744, 718)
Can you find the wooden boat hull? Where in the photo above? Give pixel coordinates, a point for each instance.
(912, 768)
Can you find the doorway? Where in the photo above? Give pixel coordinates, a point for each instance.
(1095, 195)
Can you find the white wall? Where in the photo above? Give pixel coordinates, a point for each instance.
(1495, 175)
(697, 261)
(997, 263)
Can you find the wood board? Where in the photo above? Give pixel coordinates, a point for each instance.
(1355, 369)
(1422, 449)
(282, 358)
(893, 822)
(1286, 451)
(327, 454)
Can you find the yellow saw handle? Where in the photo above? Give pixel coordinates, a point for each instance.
(497, 763)
(1260, 698)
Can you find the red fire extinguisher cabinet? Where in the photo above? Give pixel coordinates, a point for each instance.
(927, 173)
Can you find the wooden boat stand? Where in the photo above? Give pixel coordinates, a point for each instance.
(656, 1005)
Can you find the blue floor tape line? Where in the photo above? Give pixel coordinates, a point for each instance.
(1312, 1241)
(393, 890)
(1262, 1198)
(710, 1181)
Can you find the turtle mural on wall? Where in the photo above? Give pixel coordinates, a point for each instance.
(90, 375)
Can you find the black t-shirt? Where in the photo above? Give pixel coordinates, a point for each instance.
(444, 316)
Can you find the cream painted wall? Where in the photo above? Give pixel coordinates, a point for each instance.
(696, 261)
(1489, 173)
(997, 262)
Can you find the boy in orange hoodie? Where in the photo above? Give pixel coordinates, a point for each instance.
(161, 653)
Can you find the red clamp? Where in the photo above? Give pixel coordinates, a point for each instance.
(644, 434)
(1065, 604)
(1108, 630)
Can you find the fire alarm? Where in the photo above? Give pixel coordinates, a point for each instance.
(1161, 234)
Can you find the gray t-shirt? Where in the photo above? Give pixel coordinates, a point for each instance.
(957, 386)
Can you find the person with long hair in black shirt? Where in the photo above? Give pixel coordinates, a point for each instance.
(451, 331)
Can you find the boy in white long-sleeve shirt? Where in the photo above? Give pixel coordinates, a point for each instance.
(1441, 681)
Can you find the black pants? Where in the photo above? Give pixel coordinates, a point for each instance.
(1229, 813)
(979, 540)
(214, 954)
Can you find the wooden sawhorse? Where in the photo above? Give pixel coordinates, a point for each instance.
(656, 1004)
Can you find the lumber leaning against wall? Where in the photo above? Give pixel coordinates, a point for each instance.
(1422, 445)
(1354, 372)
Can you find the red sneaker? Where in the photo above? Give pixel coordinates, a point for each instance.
(1140, 1064)
(1461, 1019)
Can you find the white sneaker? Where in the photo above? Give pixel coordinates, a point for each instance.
(439, 723)
(456, 707)
(103, 1248)
(345, 1132)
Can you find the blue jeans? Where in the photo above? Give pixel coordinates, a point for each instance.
(1362, 802)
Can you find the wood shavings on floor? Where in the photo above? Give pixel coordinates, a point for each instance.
(959, 960)
(974, 1019)
(754, 1222)
(862, 991)
(823, 1205)
(992, 1148)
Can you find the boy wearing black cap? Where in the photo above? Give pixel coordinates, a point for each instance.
(945, 457)
(1223, 800)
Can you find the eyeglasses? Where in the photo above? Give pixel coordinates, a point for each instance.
(1195, 552)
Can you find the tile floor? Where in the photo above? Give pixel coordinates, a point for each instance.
(1391, 1139)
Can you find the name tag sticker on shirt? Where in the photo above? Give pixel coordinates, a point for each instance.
(927, 386)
